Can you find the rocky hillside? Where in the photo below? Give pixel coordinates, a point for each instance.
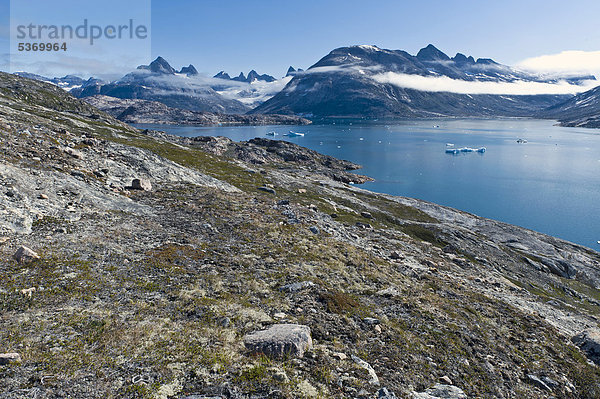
(583, 110)
(140, 265)
(154, 112)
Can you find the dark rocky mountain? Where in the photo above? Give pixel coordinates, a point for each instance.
(293, 71)
(189, 70)
(352, 82)
(252, 76)
(160, 82)
(240, 78)
(222, 75)
(583, 110)
(431, 53)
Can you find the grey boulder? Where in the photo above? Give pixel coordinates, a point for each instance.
(280, 340)
(141, 184)
(589, 342)
(8, 358)
(440, 391)
(25, 255)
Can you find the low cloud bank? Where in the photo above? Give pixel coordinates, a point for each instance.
(446, 84)
(566, 63)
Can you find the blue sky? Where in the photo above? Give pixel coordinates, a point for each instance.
(271, 35)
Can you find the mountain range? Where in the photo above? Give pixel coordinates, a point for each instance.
(187, 89)
(361, 81)
(252, 77)
(366, 81)
(68, 82)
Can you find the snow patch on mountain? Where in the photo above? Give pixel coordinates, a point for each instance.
(255, 93)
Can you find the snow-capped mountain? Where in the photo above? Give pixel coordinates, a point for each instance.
(187, 89)
(159, 81)
(68, 82)
(361, 81)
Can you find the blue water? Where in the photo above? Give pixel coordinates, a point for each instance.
(550, 184)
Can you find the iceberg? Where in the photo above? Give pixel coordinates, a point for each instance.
(271, 134)
(293, 134)
(455, 151)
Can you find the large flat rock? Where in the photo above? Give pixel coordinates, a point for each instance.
(280, 340)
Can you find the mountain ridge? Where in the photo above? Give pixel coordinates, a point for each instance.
(342, 84)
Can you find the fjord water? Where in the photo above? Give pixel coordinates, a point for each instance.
(550, 184)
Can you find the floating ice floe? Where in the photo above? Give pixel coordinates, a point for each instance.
(293, 134)
(449, 144)
(272, 134)
(480, 150)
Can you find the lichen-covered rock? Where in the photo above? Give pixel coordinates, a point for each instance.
(374, 380)
(295, 287)
(589, 342)
(141, 184)
(8, 358)
(25, 255)
(280, 340)
(385, 393)
(441, 391)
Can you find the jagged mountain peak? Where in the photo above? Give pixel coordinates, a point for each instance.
(222, 75)
(189, 70)
(293, 71)
(486, 61)
(432, 53)
(462, 59)
(160, 65)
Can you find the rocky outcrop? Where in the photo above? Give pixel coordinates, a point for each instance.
(25, 255)
(262, 151)
(441, 391)
(589, 342)
(9, 358)
(280, 340)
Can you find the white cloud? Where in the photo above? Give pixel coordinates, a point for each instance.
(446, 84)
(568, 63)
